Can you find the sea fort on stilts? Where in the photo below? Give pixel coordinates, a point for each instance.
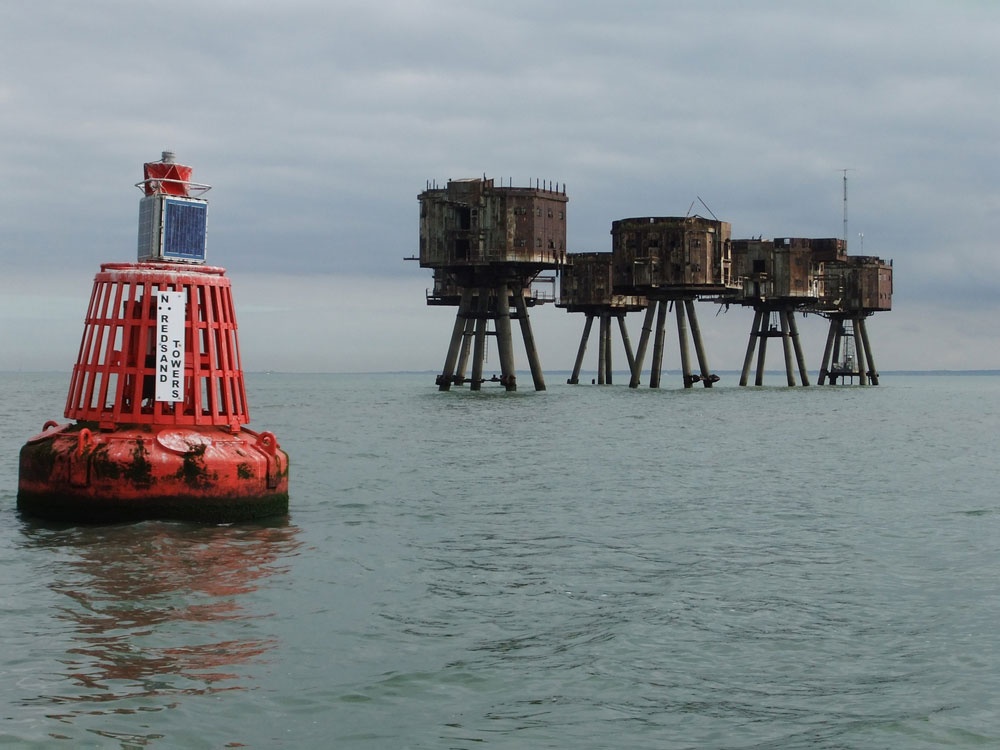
(157, 393)
(587, 286)
(488, 246)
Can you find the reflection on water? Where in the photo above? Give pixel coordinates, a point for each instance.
(156, 611)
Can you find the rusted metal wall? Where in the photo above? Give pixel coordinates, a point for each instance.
(686, 254)
(878, 285)
(782, 268)
(860, 284)
(753, 262)
(828, 250)
(815, 272)
(472, 223)
(586, 283)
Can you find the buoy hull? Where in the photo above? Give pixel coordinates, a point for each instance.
(77, 473)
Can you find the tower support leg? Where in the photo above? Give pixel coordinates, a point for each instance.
(838, 340)
(505, 344)
(751, 347)
(625, 340)
(602, 348)
(455, 346)
(800, 357)
(575, 377)
(827, 363)
(682, 341)
(786, 345)
(656, 368)
(606, 326)
(872, 370)
(529, 340)
(707, 379)
(762, 337)
(463, 357)
(479, 345)
(640, 354)
(859, 347)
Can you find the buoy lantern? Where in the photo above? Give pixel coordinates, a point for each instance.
(157, 391)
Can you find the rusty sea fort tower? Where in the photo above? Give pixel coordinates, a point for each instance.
(586, 286)
(487, 245)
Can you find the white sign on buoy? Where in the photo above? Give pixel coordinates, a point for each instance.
(170, 316)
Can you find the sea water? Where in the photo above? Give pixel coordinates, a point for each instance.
(584, 567)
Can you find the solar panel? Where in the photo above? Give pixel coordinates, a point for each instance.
(172, 228)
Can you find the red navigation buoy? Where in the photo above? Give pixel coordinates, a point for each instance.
(157, 391)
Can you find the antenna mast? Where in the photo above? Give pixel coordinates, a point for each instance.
(845, 209)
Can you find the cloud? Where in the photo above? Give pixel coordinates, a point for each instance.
(319, 122)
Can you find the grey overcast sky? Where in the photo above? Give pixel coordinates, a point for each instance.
(318, 123)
